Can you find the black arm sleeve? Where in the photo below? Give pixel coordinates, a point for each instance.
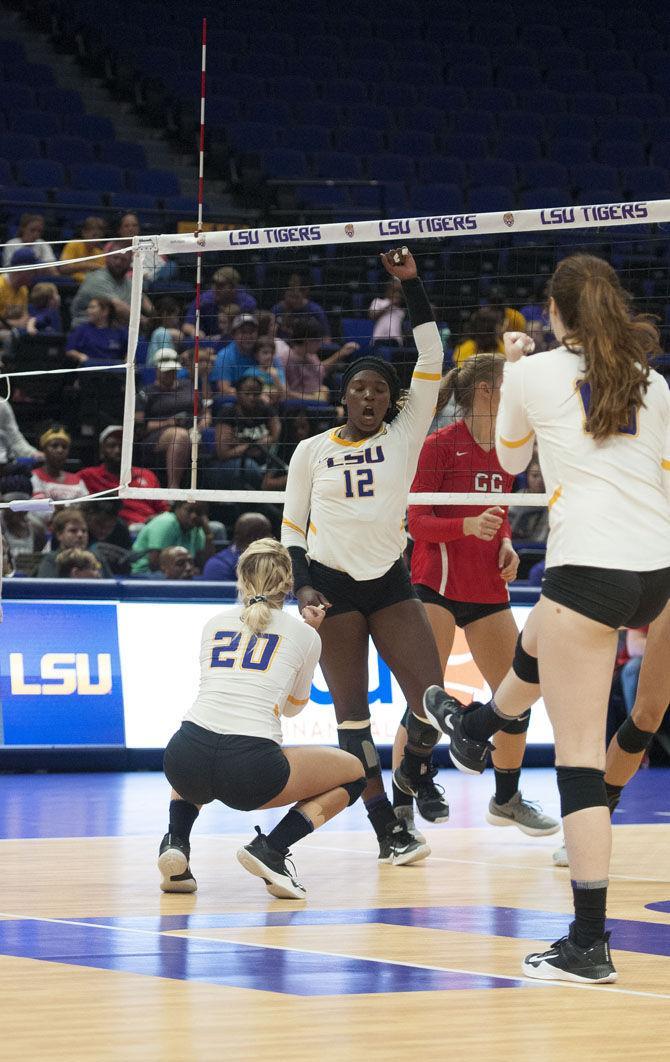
(300, 565)
(420, 310)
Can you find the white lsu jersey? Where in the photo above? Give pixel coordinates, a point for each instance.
(346, 501)
(609, 501)
(248, 681)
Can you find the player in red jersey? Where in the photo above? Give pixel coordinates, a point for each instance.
(462, 561)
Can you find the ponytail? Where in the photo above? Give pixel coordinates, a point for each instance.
(616, 343)
(264, 578)
(460, 382)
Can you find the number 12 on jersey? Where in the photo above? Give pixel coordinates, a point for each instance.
(251, 653)
(358, 482)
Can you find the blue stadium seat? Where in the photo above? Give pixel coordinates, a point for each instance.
(621, 127)
(37, 123)
(371, 70)
(388, 167)
(597, 194)
(97, 176)
(580, 80)
(594, 104)
(19, 146)
(61, 100)
(541, 101)
(123, 153)
(88, 202)
(412, 142)
(364, 47)
(423, 119)
(441, 169)
(285, 163)
(387, 200)
(443, 97)
(89, 126)
(419, 74)
(502, 34)
(571, 125)
(312, 66)
(646, 182)
(308, 138)
(291, 87)
(275, 111)
(359, 139)
(660, 153)
(396, 95)
(515, 122)
(18, 97)
(41, 172)
(5, 173)
(566, 60)
(319, 45)
(492, 197)
(593, 174)
(319, 113)
(251, 136)
(432, 199)
(518, 149)
(327, 197)
(346, 93)
(566, 148)
(615, 61)
(369, 115)
(647, 106)
(471, 77)
(479, 123)
(540, 35)
(133, 201)
(69, 150)
(41, 74)
(492, 172)
(11, 51)
(21, 198)
(472, 54)
(545, 196)
(490, 99)
(184, 204)
(621, 152)
(591, 40)
(337, 164)
(611, 81)
(267, 64)
(468, 147)
(543, 173)
(509, 80)
(154, 182)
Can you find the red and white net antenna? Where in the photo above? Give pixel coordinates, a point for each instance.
(198, 268)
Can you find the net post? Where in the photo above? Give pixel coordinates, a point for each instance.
(198, 277)
(140, 246)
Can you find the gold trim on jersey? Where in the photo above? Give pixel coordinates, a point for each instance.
(334, 437)
(514, 443)
(312, 528)
(296, 702)
(289, 523)
(666, 465)
(555, 496)
(426, 376)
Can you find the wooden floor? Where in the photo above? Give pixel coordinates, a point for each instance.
(379, 962)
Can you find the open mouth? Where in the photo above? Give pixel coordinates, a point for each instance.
(368, 413)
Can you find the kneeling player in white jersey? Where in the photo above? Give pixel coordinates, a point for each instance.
(344, 519)
(256, 664)
(602, 422)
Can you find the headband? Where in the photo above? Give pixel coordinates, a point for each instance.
(255, 600)
(53, 433)
(378, 365)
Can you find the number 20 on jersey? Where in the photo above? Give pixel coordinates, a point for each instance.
(233, 649)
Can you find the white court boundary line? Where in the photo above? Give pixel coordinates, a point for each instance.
(175, 934)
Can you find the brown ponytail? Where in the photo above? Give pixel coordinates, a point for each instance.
(462, 381)
(616, 343)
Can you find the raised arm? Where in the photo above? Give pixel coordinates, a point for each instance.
(515, 437)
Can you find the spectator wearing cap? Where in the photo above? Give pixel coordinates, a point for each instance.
(236, 358)
(90, 242)
(225, 289)
(13, 445)
(186, 525)
(164, 414)
(15, 289)
(297, 303)
(111, 281)
(30, 232)
(24, 533)
(106, 476)
(222, 567)
(51, 480)
(305, 371)
(78, 564)
(68, 531)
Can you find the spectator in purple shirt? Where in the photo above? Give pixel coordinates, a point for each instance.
(225, 289)
(296, 303)
(100, 341)
(249, 527)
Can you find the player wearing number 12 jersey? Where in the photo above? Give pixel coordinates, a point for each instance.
(344, 515)
(461, 564)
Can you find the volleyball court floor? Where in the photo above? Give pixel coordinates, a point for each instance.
(378, 962)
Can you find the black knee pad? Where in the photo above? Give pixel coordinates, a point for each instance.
(354, 789)
(580, 788)
(405, 717)
(524, 665)
(518, 726)
(358, 741)
(421, 735)
(631, 739)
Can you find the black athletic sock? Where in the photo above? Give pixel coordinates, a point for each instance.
(380, 813)
(613, 796)
(590, 905)
(415, 764)
(182, 816)
(481, 723)
(293, 827)
(400, 799)
(507, 784)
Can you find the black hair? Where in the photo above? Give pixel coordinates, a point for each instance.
(304, 328)
(383, 369)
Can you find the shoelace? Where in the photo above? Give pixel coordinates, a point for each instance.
(427, 784)
(289, 865)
